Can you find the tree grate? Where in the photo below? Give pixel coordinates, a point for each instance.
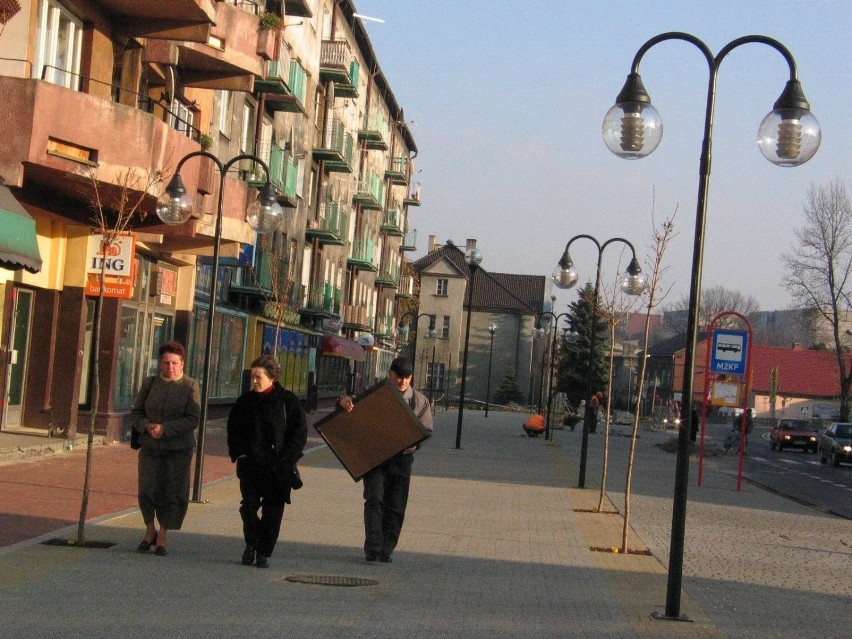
(331, 580)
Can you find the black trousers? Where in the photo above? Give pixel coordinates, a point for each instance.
(385, 499)
(260, 493)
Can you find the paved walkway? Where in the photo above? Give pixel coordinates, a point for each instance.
(497, 543)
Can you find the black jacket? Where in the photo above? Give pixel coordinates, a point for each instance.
(268, 428)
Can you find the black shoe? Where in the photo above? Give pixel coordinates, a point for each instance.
(386, 559)
(161, 551)
(248, 555)
(371, 556)
(262, 562)
(145, 546)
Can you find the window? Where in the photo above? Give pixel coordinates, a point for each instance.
(445, 329)
(247, 129)
(226, 99)
(441, 288)
(435, 376)
(182, 118)
(59, 40)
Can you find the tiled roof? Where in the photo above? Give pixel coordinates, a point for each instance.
(503, 292)
(801, 372)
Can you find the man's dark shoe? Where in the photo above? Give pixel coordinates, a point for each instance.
(371, 556)
(386, 559)
(248, 555)
(262, 562)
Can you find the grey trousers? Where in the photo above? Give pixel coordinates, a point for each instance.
(164, 486)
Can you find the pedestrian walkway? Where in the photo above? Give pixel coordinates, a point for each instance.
(497, 543)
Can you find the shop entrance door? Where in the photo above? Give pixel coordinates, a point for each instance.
(17, 357)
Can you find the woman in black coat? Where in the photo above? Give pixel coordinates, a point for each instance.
(266, 435)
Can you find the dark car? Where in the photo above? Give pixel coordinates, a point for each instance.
(794, 433)
(836, 444)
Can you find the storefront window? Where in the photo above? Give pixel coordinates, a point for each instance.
(226, 353)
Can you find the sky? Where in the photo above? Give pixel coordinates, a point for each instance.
(505, 100)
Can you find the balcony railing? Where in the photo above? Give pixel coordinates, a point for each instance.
(409, 241)
(375, 131)
(388, 275)
(413, 198)
(335, 56)
(331, 226)
(363, 254)
(334, 147)
(369, 192)
(392, 223)
(297, 82)
(406, 286)
(358, 316)
(397, 172)
(283, 170)
(385, 326)
(324, 298)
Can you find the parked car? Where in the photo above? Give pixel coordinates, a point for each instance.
(836, 444)
(794, 433)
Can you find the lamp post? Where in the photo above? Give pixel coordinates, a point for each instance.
(263, 215)
(473, 257)
(788, 136)
(633, 283)
(491, 329)
(413, 346)
(548, 435)
(432, 376)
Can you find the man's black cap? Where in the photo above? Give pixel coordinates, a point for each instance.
(402, 367)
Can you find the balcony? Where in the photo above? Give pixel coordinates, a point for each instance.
(363, 255)
(323, 301)
(227, 59)
(283, 172)
(49, 148)
(301, 8)
(357, 317)
(334, 148)
(374, 131)
(189, 20)
(349, 90)
(294, 100)
(331, 226)
(413, 198)
(388, 276)
(397, 172)
(385, 328)
(406, 286)
(392, 223)
(335, 57)
(369, 192)
(276, 75)
(409, 241)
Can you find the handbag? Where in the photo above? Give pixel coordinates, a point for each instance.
(135, 435)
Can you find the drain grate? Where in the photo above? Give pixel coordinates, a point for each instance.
(331, 580)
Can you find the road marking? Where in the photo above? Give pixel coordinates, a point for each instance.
(790, 461)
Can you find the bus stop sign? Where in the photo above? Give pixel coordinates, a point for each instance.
(730, 351)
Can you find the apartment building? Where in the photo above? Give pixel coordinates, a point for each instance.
(98, 90)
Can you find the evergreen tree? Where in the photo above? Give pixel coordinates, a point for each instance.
(508, 390)
(573, 366)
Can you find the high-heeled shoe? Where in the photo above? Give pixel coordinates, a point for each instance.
(145, 546)
(161, 551)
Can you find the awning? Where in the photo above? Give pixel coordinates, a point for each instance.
(342, 347)
(18, 246)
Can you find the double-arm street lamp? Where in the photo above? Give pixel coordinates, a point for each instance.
(416, 322)
(473, 257)
(491, 329)
(551, 357)
(788, 136)
(263, 215)
(632, 283)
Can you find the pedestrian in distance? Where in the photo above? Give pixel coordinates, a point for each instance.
(386, 486)
(267, 433)
(164, 417)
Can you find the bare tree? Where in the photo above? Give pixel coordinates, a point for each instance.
(819, 269)
(616, 304)
(277, 264)
(113, 207)
(714, 300)
(653, 296)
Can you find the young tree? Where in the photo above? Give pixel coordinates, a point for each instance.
(617, 304)
(819, 269)
(653, 296)
(274, 279)
(508, 390)
(573, 366)
(113, 210)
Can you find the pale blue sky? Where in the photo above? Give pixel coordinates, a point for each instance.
(508, 98)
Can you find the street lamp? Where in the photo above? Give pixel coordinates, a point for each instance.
(491, 329)
(413, 314)
(632, 283)
(473, 257)
(263, 215)
(788, 136)
(548, 434)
